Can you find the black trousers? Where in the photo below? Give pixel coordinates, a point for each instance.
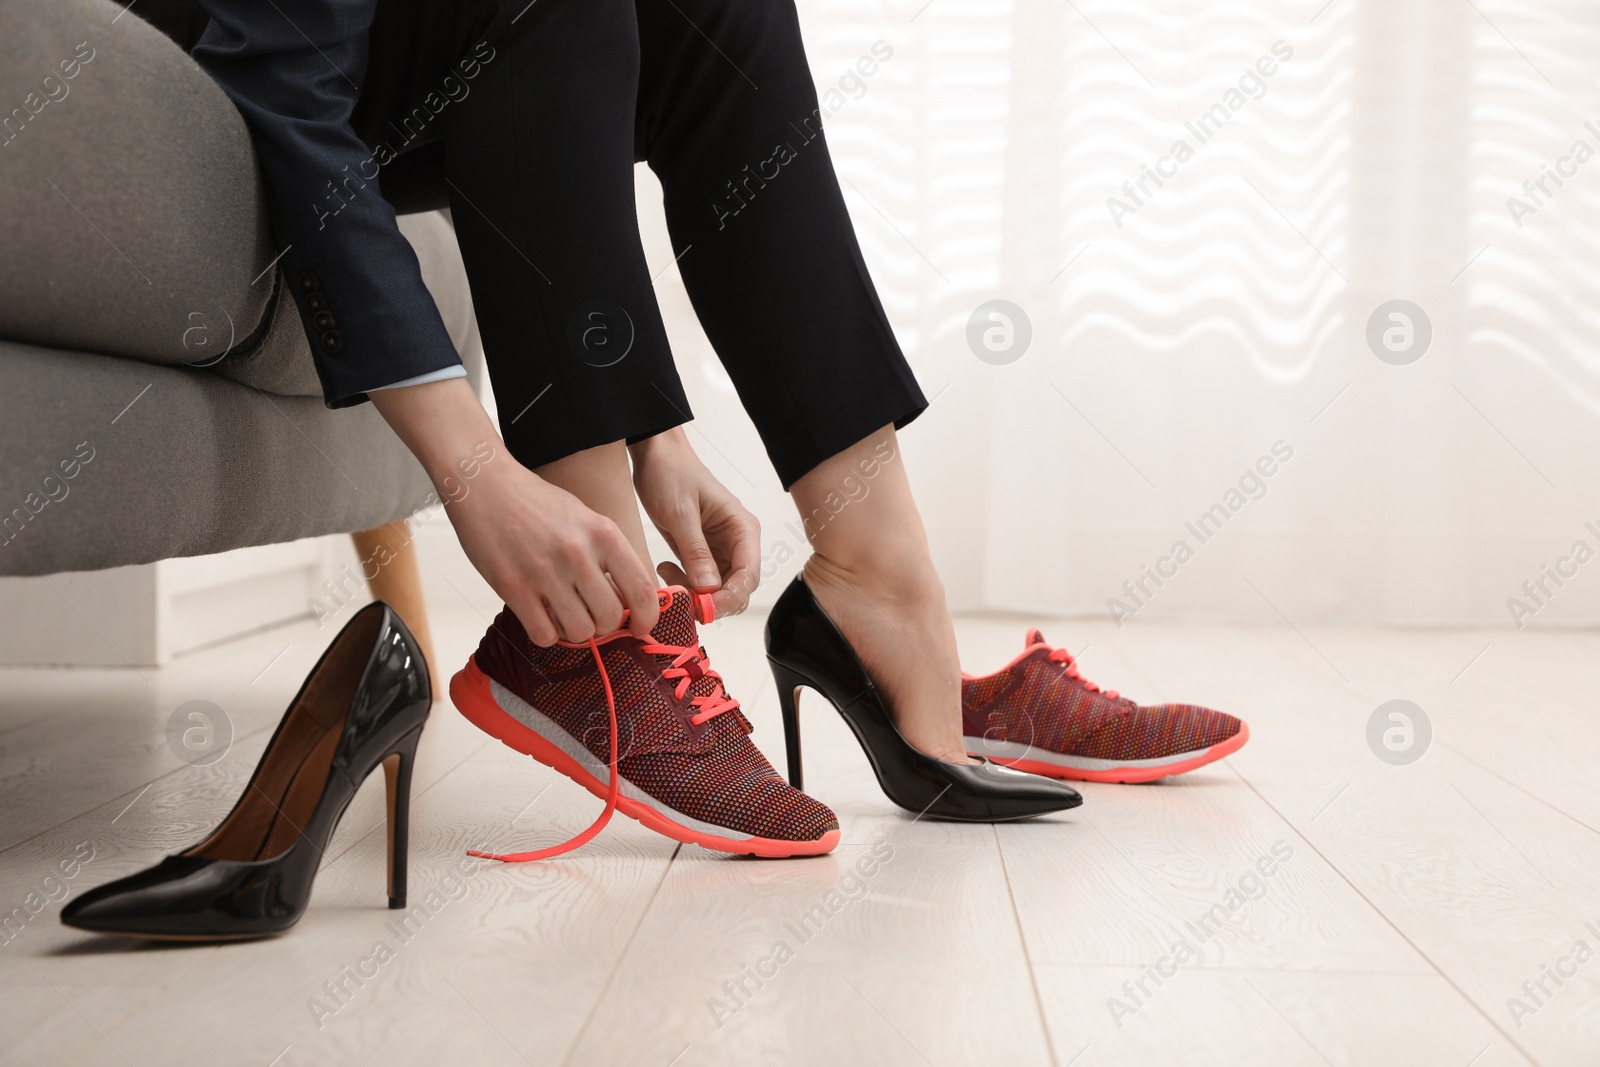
(527, 119)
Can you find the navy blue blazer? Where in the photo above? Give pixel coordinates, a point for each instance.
(294, 69)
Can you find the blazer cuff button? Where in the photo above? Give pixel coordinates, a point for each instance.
(332, 342)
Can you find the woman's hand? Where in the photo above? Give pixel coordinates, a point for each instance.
(564, 570)
(550, 558)
(715, 538)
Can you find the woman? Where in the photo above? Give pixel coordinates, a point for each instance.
(527, 119)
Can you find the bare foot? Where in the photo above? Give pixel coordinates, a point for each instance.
(900, 627)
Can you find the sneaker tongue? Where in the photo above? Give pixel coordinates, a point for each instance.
(1034, 637)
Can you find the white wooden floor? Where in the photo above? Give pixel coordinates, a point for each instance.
(1413, 904)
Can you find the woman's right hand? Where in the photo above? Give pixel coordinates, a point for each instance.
(566, 572)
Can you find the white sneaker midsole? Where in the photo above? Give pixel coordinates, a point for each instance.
(1000, 751)
(545, 727)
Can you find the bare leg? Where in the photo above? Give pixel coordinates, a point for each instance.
(602, 479)
(872, 572)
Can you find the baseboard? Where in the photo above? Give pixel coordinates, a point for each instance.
(149, 614)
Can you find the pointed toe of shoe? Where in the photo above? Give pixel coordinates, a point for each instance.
(184, 898)
(1033, 794)
(991, 792)
(88, 911)
(124, 906)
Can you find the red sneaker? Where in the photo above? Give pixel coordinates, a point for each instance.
(1038, 714)
(655, 711)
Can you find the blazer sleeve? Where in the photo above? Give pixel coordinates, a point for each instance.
(293, 68)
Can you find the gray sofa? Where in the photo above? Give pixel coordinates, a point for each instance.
(157, 397)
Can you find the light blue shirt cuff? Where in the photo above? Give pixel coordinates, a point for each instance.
(458, 371)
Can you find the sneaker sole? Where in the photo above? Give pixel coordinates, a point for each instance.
(1085, 769)
(473, 694)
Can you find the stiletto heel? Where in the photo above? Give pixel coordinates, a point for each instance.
(789, 684)
(364, 704)
(397, 791)
(806, 648)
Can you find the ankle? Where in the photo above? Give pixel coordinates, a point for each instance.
(905, 582)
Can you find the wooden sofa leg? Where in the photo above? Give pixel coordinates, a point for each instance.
(387, 553)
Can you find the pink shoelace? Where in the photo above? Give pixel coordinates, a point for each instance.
(1061, 655)
(612, 787)
(688, 664)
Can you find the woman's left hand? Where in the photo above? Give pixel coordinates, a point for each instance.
(717, 540)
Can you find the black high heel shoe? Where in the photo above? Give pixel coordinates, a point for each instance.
(806, 648)
(364, 704)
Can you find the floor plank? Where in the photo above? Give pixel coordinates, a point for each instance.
(1221, 1018)
(1486, 880)
(1202, 861)
(885, 929)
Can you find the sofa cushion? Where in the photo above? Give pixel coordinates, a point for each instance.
(111, 461)
(134, 222)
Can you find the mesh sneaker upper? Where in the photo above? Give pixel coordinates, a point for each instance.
(710, 771)
(1038, 700)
